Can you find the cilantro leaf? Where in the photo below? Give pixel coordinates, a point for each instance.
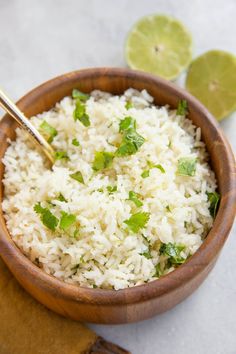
(111, 189)
(66, 220)
(186, 166)
(152, 165)
(133, 137)
(76, 233)
(126, 149)
(59, 155)
(61, 198)
(213, 198)
(47, 218)
(127, 123)
(49, 131)
(80, 110)
(102, 160)
(159, 271)
(131, 140)
(173, 252)
(160, 167)
(84, 119)
(129, 105)
(75, 142)
(182, 108)
(134, 198)
(80, 95)
(137, 221)
(146, 254)
(38, 208)
(80, 113)
(145, 174)
(78, 177)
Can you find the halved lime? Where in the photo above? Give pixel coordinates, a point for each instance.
(160, 45)
(212, 79)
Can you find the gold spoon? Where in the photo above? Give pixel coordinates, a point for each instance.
(7, 104)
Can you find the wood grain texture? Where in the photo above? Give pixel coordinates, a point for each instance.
(101, 346)
(144, 301)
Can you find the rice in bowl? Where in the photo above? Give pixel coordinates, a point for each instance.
(130, 196)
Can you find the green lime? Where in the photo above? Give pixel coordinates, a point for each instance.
(160, 45)
(212, 79)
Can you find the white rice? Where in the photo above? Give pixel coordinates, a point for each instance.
(105, 254)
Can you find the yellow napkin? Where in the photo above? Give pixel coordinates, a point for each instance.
(27, 327)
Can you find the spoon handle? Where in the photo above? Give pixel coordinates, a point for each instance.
(14, 111)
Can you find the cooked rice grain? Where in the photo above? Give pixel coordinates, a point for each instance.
(105, 254)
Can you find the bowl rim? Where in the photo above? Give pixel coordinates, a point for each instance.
(156, 288)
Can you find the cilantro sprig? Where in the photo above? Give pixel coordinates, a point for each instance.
(147, 254)
(182, 108)
(159, 167)
(51, 221)
(146, 173)
(47, 218)
(75, 142)
(66, 220)
(111, 189)
(186, 166)
(49, 131)
(214, 199)
(134, 197)
(61, 155)
(137, 221)
(77, 176)
(173, 252)
(129, 105)
(102, 160)
(80, 113)
(126, 124)
(131, 140)
(158, 271)
(77, 94)
(61, 198)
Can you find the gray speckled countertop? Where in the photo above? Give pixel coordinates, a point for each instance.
(42, 39)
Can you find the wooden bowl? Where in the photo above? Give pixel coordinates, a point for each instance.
(144, 301)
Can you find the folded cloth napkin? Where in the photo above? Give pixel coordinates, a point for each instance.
(27, 327)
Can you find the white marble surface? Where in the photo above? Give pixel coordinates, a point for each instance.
(41, 39)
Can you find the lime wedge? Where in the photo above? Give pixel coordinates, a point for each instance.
(159, 45)
(212, 79)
